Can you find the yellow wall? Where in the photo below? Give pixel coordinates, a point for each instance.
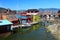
(36, 18)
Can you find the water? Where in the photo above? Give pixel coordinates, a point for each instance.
(35, 32)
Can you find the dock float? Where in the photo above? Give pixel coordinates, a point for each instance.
(23, 25)
(34, 23)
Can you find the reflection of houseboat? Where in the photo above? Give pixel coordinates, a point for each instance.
(35, 27)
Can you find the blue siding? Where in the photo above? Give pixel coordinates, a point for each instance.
(23, 21)
(23, 16)
(18, 16)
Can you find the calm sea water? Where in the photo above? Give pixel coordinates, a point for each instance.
(35, 32)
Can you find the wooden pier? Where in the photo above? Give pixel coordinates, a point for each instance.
(24, 25)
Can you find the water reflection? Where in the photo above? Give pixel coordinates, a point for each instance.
(35, 32)
(29, 29)
(36, 26)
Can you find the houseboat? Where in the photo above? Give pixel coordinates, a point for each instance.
(11, 17)
(23, 20)
(30, 16)
(5, 26)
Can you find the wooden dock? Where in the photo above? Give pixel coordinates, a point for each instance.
(34, 23)
(24, 25)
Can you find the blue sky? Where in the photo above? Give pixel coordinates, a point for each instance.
(29, 4)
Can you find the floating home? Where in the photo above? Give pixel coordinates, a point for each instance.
(30, 16)
(35, 14)
(25, 18)
(11, 17)
(5, 26)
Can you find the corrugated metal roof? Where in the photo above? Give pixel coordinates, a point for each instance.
(5, 22)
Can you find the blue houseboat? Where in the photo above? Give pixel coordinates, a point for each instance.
(5, 26)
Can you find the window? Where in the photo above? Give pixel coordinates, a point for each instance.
(0, 21)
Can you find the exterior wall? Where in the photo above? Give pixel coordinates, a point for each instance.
(12, 18)
(47, 16)
(0, 17)
(36, 18)
(29, 19)
(4, 17)
(26, 18)
(15, 22)
(24, 21)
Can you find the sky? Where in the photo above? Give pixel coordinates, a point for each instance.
(29, 4)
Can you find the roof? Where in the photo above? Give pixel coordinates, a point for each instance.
(36, 10)
(12, 17)
(32, 13)
(5, 22)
